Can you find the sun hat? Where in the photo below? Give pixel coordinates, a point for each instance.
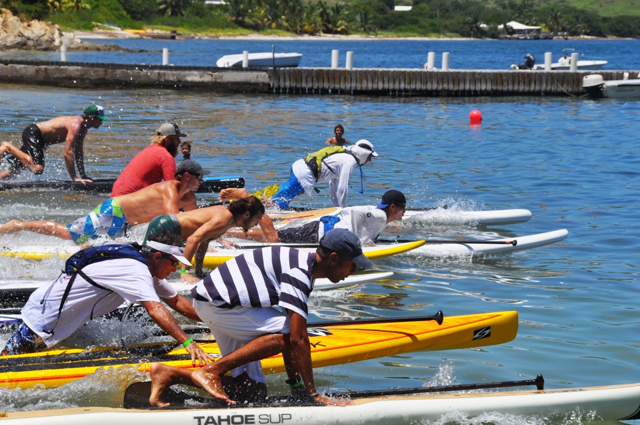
(345, 242)
(170, 129)
(174, 251)
(95, 111)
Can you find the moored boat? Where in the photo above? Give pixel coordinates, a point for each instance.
(261, 60)
(597, 87)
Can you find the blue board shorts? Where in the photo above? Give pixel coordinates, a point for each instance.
(288, 191)
(23, 341)
(106, 220)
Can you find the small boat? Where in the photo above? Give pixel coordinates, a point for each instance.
(597, 87)
(564, 63)
(261, 60)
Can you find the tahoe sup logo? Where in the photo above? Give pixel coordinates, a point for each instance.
(276, 418)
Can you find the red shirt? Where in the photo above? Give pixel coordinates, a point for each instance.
(150, 166)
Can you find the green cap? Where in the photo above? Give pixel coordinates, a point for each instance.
(96, 111)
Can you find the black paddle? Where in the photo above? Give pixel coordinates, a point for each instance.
(448, 241)
(137, 395)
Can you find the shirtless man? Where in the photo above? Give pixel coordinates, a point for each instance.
(153, 164)
(195, 229)
(37, 137)
(337, 139)
(113, 216)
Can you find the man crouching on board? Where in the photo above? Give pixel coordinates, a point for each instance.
(237, 302)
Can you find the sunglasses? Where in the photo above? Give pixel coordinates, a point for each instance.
(175, 262)
(403, 207)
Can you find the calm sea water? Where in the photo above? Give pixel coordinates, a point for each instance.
(464, 54)
(573, 162)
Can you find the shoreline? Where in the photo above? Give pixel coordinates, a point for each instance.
(115, 34)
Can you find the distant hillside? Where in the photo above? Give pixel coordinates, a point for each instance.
(609, 8)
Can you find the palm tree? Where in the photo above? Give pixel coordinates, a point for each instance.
(75, 5)
(173, 7)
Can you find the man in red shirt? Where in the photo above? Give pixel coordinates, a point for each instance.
(154, 164)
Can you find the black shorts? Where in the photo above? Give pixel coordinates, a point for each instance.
(165, 229)
(303, 234)
(33, 144)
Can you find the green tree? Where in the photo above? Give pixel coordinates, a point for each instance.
(75, 5)
(173, 7)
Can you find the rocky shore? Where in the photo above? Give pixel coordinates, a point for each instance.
(44, 36)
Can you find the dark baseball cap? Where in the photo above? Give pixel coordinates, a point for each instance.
(344, 242)
(191, 167)
(392, 197)
(170, 129)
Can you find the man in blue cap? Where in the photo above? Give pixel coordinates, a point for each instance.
(37, 137)
(237, 301)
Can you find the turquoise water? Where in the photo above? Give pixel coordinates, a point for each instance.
(574, 163)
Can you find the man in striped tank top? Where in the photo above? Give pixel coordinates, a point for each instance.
(237, 302)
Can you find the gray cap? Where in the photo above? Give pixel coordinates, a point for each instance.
(174, 251)
(170, 129)
(191, 167)
(344, 242)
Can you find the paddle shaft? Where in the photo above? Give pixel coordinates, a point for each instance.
(448, 241)
(538, 382)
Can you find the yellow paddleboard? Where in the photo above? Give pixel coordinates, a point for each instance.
(214, 259)
(330, 345)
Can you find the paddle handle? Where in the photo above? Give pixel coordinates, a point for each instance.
(438, 317)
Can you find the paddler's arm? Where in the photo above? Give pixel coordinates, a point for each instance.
(301, 352)
(212, 229)
(268, 229)
(182, 306)
(200, 254)
(74, 150)
(167, 323)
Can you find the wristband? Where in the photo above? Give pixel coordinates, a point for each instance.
(295, 382)
(184, 271)
(187, 342)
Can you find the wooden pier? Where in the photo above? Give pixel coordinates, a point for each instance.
(322, 81)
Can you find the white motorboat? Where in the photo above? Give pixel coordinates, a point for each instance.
(597, 87)
(261, 60)
(564, 63)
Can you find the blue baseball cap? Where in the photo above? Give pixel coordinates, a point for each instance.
(344, 242)
(392, 197)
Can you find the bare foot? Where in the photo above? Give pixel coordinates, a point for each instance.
(232, 194)
(160, 380)
(212, 383)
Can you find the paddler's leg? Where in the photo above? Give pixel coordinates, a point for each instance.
(45, 227)
(232, 194)
(25, 158)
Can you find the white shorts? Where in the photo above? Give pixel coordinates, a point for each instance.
(236, 327)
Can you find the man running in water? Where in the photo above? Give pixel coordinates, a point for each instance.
(37, 137)
(113, 216)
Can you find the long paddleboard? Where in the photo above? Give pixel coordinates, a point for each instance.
(209, 184)
(19, 290)
(609, 403)
(214, 259)
(434, 215)
(333, 344)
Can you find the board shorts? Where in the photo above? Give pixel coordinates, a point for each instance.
(106, 220)
(310, 232)
(23, 341)
(165, 229)
(235, 327)
(33, 144)
(288, 191)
